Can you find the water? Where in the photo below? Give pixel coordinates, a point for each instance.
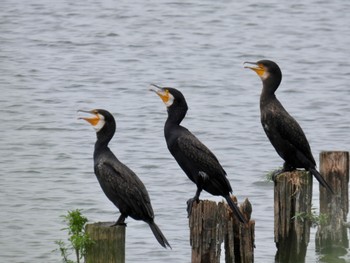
(58, 57)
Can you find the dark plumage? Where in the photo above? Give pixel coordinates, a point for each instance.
(120, 184)
(195, 159)
(283, 131)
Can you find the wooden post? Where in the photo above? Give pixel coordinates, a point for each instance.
(332, 234)
(292, 197)
(240, 238)
(211, 224)
(109, 243)
(207, 231)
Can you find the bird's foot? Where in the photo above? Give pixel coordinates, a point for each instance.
(190, 205)
(120, 221)
(119, 224)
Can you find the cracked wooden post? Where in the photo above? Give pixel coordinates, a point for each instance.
(109, 243)
(211, 224)
(207, 231)
(331, 234)
(240, 238)
(292, 198)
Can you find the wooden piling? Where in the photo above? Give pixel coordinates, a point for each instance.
(292, 198)
(109, 243)
(207, 231)
(211, 224)
(332, 232)
(240, 238)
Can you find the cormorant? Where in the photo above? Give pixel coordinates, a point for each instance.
(283, 131)
(120, 184)
(196, 160)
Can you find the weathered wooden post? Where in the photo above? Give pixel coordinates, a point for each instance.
(240, 238)
(292, 198)
(332, 234)
(109, 243)
(206, 231)
(211, 224)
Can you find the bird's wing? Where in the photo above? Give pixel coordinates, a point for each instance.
(291, 132)
(121, 183)
(200, 155)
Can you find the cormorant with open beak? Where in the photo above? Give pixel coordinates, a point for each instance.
(283, 131)
(196, 160)
(120, 184)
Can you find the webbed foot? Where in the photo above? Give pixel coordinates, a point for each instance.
(118, 224)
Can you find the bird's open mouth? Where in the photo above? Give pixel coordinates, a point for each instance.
(163, 93)
(93, 120)
(258, 68)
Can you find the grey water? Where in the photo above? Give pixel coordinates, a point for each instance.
(60, 56)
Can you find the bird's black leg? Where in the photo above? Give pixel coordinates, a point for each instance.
(192, 200)
(120, 221)
(201, 179)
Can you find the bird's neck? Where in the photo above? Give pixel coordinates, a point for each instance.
(266, 98)
(268, 92)
(176, 116)
(103, 138)
(99, 145)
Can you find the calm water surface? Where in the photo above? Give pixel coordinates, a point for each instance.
(58, 57)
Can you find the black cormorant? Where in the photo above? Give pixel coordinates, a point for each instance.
(283, 131)
(120, 184)
(195, 159)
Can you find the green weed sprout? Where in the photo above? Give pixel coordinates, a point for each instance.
(79, 240)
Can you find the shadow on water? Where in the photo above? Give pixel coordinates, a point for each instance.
(333, 254)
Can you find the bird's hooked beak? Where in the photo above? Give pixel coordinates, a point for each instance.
(163, 93)
(97, 120)
(93, 120)
(258, 68)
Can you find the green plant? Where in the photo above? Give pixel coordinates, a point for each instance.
(314, 219)
(64, 251)
(79, 240)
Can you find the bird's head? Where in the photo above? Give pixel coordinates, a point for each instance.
(98, 119)
(173, 100)
(269, 72)
(164, 93)
(170, 96)
(264, 68)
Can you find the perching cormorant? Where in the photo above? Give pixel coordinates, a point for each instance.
(120, 184)
(283, 131)
(195, 159)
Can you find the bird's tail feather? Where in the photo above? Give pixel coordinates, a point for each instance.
(235, 209)
(159, 235)
(321, 180)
